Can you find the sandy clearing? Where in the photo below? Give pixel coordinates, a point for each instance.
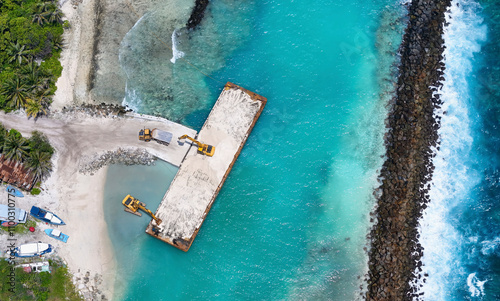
(78, 198)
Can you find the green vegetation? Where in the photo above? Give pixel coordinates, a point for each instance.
(20, 228)
(34, 152)
(30, 46)
(35, 191)
(42, 286)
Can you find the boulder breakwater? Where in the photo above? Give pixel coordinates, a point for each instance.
(411, 138)
(197, 14)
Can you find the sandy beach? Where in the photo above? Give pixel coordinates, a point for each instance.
(78, 198)
(78, 139)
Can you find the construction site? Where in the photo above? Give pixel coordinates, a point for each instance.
(208, 158)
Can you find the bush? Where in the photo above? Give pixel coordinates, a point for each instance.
(15, 133)
(20, 228)
(38, 286)
(35, 191)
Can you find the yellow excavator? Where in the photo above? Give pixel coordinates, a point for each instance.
(205, 149)
(133, 205)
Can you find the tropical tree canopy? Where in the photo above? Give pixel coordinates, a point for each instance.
(15, 147)
(17, 52)
(39, 163)
(35, 108)
(31, 41)
(15, 92)
(35, 152)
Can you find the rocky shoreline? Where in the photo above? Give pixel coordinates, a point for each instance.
(197, 14)
(134, 156)
(101, 110)
(394, 256)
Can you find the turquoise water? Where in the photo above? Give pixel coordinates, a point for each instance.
(292, 218)
(148, 184)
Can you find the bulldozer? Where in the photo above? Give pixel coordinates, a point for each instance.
(133, 205)
(204, 149)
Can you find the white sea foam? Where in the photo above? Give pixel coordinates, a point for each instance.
(476, 286)
(452, 179)
(176, 53)
(131, 99)
(489, 246)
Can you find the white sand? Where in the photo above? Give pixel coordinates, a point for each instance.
(76, 57)
(78, 198)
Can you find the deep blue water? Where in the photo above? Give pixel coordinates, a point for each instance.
(460, 229)
(292, 218)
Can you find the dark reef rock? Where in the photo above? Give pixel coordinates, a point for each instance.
(395, 252)
(197, 14)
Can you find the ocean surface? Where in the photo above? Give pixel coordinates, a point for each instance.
(460, 230)
(292, 218)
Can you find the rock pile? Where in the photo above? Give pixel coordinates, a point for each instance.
(197, 14)
(394, 256)
(89, 287)
(136, 156)
(101, 110)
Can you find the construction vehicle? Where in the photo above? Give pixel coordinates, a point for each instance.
(157, 135)
(133, 205)
(205, 149)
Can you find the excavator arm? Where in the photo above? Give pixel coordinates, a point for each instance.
(158, 221)
(195, 141)
(205, 149)
(133, 205)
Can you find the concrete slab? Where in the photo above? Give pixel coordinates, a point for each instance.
(84, 136)
(199, 179)
(174, 153)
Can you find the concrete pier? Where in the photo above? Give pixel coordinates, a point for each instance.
(200, 178)
(173, 153)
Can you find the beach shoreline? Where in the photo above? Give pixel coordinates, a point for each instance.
(76, 196)
(76, 193)
(88, 252)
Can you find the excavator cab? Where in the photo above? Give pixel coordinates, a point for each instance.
(205, 149)
(133, 205)
(145, 135)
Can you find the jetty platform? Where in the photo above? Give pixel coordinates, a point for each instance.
(200, 178)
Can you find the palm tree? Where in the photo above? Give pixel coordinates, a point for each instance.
(58, 42)
(39, 163)
(35, 78)
(55, 16)
(15, 147)
(35, 108)
(40, 18)
(3, 136)
(17, 52)
(44, 7)
(15, 92)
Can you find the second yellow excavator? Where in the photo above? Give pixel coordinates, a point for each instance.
(205, 149)
(133, 205)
